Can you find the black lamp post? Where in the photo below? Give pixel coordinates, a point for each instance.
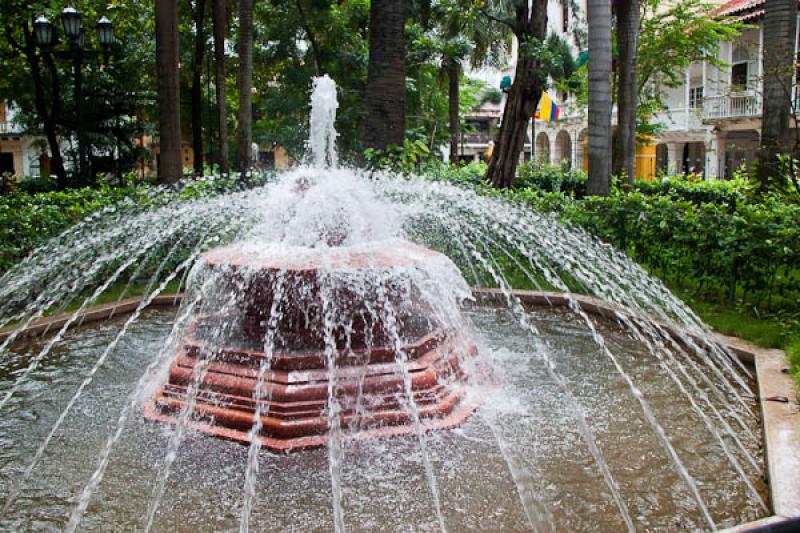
(77, 53)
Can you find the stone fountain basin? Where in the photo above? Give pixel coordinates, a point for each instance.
(383, 479)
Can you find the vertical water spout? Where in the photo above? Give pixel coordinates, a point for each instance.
(322, 137)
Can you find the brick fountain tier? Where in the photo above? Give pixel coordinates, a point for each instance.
(369, 382)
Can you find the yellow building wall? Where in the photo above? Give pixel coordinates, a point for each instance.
(645, 160)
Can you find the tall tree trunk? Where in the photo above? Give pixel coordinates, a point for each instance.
(628, 20)
(169, 99)
(530, 27)
(199, 16)
(780, 23)
(453, 79)
(245, 116)
(56, 160)
(385, 105)
(220, 23)
(599, 18)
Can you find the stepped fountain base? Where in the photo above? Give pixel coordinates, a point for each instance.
(216, 379)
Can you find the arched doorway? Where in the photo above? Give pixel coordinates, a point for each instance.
(563, 149)
(543, 148)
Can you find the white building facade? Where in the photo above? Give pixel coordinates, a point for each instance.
(712, 124)
(20, 154)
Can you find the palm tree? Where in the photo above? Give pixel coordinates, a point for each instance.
(199, 17)
(599, 18)
(628, 17)
(245, 116)
(466, 37)
(780, 21)
(170, 168)
(220, 19)
(385, 116)
(528, 22)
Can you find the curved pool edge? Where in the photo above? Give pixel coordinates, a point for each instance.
(777, 394)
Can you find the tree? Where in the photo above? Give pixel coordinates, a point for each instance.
(220, 21)
(780, 23)
(199, 19)
(48, 110)
(628, 21)
(169, 118)
(599, 19)
(245, 115)
(288, 61)
(528, 22)
(384, 109)
(465, 37)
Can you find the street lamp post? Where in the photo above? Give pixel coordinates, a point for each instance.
(77, 53)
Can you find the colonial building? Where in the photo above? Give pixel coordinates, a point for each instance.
(20, 154)
(712, 124)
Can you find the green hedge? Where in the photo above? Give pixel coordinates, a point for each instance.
(29, 220)
(743, 251)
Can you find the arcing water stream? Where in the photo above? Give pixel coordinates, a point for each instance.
(582, 423)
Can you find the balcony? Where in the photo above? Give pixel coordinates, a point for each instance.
(9, 128)
(745, 104)
(680, 119)
(476, 137)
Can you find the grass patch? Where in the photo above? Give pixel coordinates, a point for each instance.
(793, 353)
(767, 332)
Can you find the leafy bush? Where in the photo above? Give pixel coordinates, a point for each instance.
(33, 185)
(471, 174)
(28, 220)
(745, 252)
(726, 192)
(551, 178)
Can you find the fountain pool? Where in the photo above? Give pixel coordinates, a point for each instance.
(383, 480)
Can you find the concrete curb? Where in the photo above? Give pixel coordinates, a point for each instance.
(92, 314)
(776, 389)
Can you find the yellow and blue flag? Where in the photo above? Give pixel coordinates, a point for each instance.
(548, 110)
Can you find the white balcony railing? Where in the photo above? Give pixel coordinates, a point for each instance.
(9, 128)
(680, 119)
(734, 105)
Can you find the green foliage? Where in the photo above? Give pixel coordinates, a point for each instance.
(404, 159)
(295, 42)
(33, 185)
(717, 240)
(29, 220)
(551, 178)
(727, 192)
(793, 353)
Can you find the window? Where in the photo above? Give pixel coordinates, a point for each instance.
(739, 76)
(6, 163)
(696, 98)
(266, 159)
(565, 18)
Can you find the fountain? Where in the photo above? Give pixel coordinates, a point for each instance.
(294, 389)
(331, 309)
